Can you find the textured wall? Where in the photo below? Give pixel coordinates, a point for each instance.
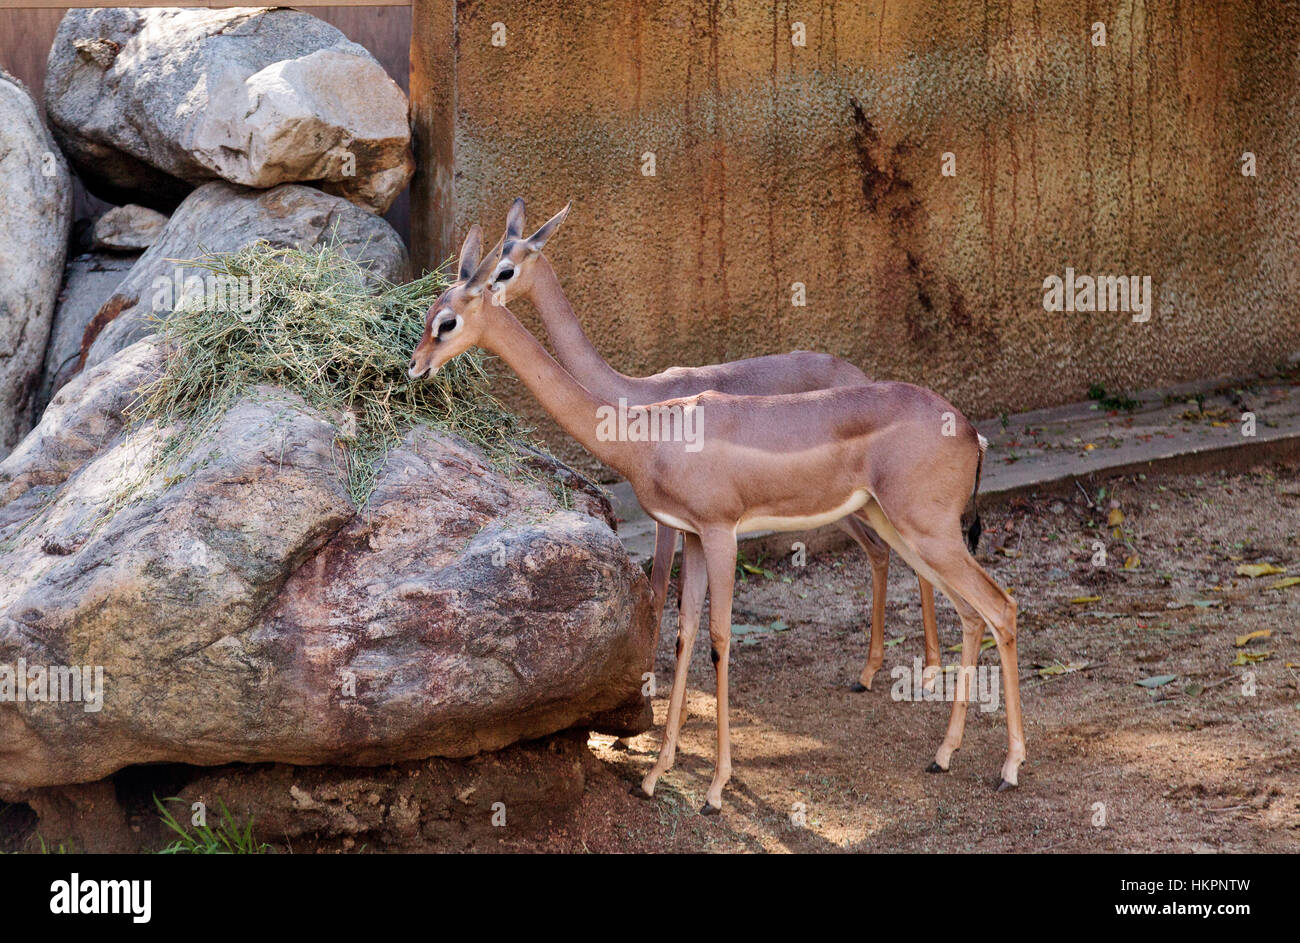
(821, 165)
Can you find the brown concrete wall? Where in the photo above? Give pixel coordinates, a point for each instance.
(821, 165)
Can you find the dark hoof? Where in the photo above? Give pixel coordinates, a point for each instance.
(710, 810)
(935, 768)
(638, 792)
(858, 687)
(1003, 786)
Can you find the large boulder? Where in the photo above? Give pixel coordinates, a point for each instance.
(219, 217)
(35, 216)
(128, 228)
(242, 609)
(150, 102)
(88, 282)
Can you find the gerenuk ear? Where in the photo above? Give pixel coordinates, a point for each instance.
(538, 239)
(483, 274)
(515, 219)
(469, 253)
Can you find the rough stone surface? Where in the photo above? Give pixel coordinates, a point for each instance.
(243, 610)
(219, 217)
(88, 282)
(149, 102)
(428, 805)
(821, 163)
(35, 216)
(128, 228)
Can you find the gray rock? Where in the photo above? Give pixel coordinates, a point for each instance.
(88, 282)
(150, 102)
(35, 216)
(128, 228)
(243, 610)
(219, 217)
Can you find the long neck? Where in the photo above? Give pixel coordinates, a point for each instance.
(577, 411)
(572, 346)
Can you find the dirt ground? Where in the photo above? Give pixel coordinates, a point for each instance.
(1204, 762)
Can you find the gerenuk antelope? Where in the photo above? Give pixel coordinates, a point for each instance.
(525, 272)
(879, 452)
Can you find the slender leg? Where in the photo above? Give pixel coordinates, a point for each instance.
(947, 563)
(1005, 634)
(972, 635)
(877, 552)
(965, 579)
(661, 569)
(933, 668)
(720, 558)
(693, 582)
(879, 585)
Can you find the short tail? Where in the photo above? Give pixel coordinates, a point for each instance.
(973, 530)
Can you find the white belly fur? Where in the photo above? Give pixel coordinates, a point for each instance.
(676, 523)
(750, 524)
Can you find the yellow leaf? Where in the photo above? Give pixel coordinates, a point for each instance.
(1084, 600)
(1259, 569)
(1132, 562)
(1115, 517)
(1060, 669)
(1249, 658)
(1088, 446)
(1283, 584)
(1262, 633)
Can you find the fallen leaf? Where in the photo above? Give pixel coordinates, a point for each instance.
(1060, 669)
(1088, 446)
(1249, 658)
(1262, 633)
(1156, 681)
(1132, 562)
(1115, 517)
(1084, 600)
(1254, 570)
(1283, 584)
(984, 646)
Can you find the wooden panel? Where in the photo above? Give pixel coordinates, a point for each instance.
(434, 99)
(25, 37)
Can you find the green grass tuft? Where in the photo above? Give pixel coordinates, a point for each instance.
(227, 838)
(327, 329)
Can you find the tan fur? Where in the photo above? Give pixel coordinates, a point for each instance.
(791, 456)
(531, 277)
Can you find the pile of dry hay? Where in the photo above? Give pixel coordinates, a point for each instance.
(324, 327)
